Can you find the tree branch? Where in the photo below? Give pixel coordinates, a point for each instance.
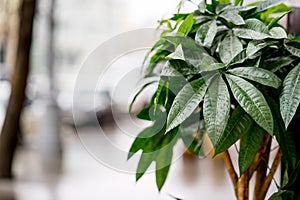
(261, 170)
(230, 169)
(258, 155)
(269, 177)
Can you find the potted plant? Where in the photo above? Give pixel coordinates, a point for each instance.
(230, 73)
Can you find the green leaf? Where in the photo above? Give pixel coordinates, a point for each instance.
(227, 8)
(202, 6)
(275, 20)
(284, 195)
(144, 163)
(293, 49)
(279, 63)
(233, 17)
(253, 29)
(186, 26)
(157, 57)
(264, 5)
(147, 135)
(284, 137)
(249, 34)
(278, 33)
(224, 1)
(252, 101)
(186, 42)
(202, 18)
(238, 2)
(230, 47)
(206, 33)
(208, 63)
(190, 135)
(256, 25)
(249, 146)
(140, 141)
(138, 93)
(294, 181)
(254, 47)
(178, 68)
(238, 124)
(177, 54)
(240, 58)
(259, 75)
(164, 158)
(216, 109)
(186, 102)
(290, 96)
(168, 70)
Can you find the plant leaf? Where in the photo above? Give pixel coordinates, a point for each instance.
(264, 5)
(238, 2)
(278, 33)
(216, 109)
(233, 17)
(138, 93)
(238, 124)
(249, 146)
(145, 136)
(275, 20)
(254, 46)
(177, 54)
(206, 33)
(240, 58)
(202, 6)
(284, 137)
(164, 158)
(186, 42)
(186, 26)
(178, 68)
(290, 96)
(230, 47)
(256, 25)
(140, 141)
(259, 75)
(208, 63)
(249, 34)
(252, 101)
(186, 101)
(144, 163)
(294, 50)
(253, 29)
(279, 63)
(168, 70)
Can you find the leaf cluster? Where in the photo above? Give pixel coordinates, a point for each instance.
(227, 71)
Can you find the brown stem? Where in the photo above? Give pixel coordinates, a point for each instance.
(266, 184)
(230, 169)
(261, 170)
(258, 156)
(243, 186)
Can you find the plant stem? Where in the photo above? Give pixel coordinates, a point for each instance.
(262, 167)
(230, 169)
(269, 177)
(243, 186)
(258, 156)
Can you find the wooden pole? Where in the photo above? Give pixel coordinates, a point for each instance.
(8, 137)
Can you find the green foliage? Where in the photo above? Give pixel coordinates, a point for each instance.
(229, 71)
(250, 144)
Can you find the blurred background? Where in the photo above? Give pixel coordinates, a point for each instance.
(57, 158)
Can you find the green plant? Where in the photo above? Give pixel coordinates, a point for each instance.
(230, 72)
